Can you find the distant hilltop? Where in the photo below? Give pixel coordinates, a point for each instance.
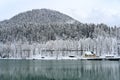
(42, 16)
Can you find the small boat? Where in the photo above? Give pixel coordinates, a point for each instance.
(71, 56)
(112, 57)
(42, 57)
(109, 56)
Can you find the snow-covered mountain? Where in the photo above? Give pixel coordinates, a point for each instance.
(42, 16)
(45, 24)
(39, 29)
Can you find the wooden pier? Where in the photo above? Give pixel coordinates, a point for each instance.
(109, 59)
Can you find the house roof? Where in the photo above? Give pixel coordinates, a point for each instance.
(88, 53)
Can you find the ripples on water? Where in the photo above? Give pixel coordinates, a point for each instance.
(59, 70)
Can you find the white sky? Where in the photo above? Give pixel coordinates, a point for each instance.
(86, 11)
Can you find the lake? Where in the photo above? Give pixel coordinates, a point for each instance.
(59, 70)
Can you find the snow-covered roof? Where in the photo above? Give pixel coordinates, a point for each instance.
(88, 53)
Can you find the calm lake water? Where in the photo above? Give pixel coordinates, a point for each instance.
(59, 70)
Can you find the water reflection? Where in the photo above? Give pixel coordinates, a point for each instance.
(59, 70)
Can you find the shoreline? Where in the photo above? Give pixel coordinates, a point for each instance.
(99, 59)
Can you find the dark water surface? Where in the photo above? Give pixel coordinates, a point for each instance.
(59, 70)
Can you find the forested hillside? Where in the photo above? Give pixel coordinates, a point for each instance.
(42, 26)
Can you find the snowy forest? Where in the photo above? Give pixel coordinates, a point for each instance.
(35, 32)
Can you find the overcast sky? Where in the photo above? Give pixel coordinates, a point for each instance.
(86, 11)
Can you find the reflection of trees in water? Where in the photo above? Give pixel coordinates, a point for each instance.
(59, 70)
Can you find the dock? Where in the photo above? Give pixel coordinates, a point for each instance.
(109, 59)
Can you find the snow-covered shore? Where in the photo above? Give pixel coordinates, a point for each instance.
(65, 58)
(59, 49)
